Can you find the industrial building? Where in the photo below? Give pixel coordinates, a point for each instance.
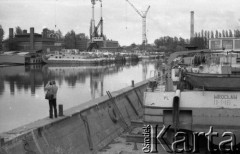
(82, 44)
(31, 41)
(34, 41)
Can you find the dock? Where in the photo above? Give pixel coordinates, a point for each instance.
(86, 128)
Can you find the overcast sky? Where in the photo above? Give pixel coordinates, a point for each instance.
(121, 22)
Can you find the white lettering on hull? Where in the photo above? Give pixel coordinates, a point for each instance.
(225, 100)
(195, 99)
(225, 96)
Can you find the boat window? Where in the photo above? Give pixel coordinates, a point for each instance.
(56, 57)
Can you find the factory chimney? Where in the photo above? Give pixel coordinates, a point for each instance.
(192, 25)
(31, 38)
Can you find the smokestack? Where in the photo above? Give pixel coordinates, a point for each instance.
(24, 31)
(192, 25)
(31, 38)
(10, 33)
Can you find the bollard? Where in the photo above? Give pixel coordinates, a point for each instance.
(132, 83)
(60, 109)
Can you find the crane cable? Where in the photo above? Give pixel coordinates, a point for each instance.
(126, 15)
(55, 20)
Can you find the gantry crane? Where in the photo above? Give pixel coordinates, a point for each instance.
(143, 15)
(94, 36)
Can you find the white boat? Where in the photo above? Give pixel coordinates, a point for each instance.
(74, 59)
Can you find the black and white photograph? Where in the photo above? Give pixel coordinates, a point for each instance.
(119, 76)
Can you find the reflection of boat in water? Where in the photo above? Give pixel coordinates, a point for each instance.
(66, 70)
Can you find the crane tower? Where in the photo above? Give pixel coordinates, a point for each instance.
(94, 36)
(143, 15)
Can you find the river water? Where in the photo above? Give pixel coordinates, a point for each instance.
(22, 87)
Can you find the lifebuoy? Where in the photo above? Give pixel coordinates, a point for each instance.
(112, 114)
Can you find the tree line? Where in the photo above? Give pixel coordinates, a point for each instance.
(165, 43)
(218, 33)
(171, 44)
(71, 38)
(200, 40)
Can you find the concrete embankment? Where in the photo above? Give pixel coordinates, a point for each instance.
(83, 129)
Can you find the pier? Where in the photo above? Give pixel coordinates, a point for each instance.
(86, 128)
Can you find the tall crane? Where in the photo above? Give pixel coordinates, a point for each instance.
(94, 36)
(143, 15)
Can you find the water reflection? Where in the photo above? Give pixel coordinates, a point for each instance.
(35, 76)
(22, 95)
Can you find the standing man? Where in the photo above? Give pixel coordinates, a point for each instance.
(52, 88)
